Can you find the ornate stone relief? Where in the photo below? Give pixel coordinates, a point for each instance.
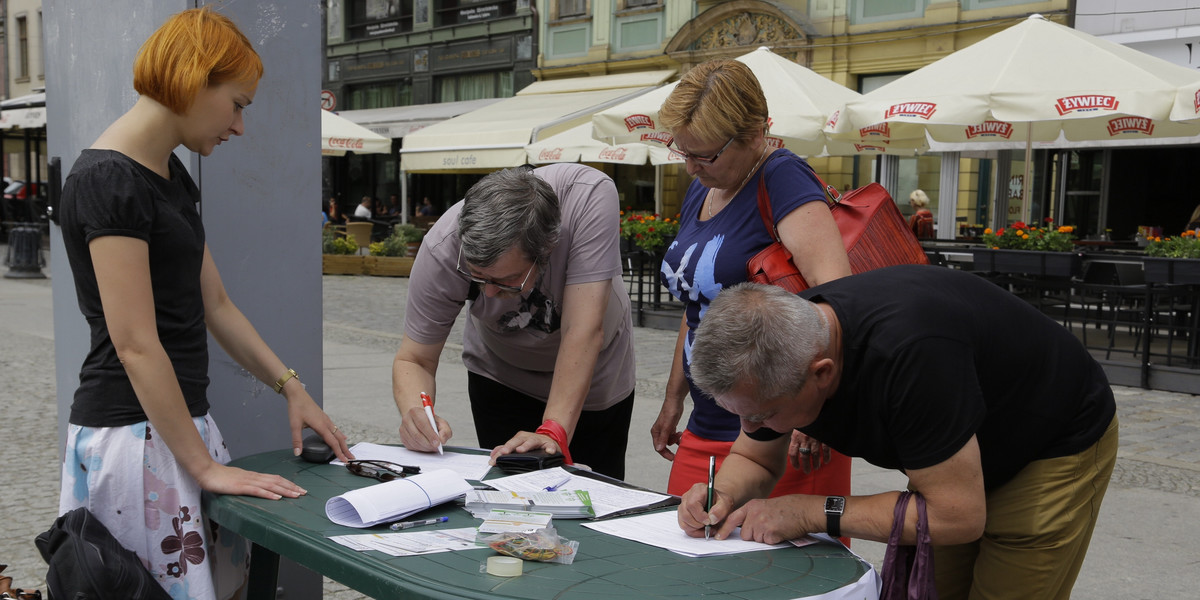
(747, 29)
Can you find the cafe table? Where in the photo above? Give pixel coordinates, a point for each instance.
(604, 567)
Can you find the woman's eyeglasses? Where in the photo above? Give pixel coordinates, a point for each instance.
(381, 469)
(704, 160)
(517, 289)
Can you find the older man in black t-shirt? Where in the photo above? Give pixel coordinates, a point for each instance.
(997, 414)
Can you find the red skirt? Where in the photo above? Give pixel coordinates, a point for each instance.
(691, 467)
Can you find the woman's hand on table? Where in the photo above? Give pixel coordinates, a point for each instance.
(223, 479)
(526, 441)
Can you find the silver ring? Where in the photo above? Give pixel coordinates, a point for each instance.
(804, 451)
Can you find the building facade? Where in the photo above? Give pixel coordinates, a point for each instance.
(858, 43)
(396, 56)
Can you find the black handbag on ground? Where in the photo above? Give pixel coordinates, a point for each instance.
(88, 563)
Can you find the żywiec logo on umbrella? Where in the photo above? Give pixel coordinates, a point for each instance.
(878, 130)
(661, 137)
(1085, 103)
(1197, 101)
(639, 122)
(922, 110)
(1121, 125)
(990, 129)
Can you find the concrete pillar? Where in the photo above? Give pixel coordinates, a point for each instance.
(260, 197)
(947, 213)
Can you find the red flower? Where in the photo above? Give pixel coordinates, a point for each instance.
(1019, 225)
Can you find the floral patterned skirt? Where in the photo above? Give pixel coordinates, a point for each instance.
(129, 479)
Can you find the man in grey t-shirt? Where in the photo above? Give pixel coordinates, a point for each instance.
(548, 345)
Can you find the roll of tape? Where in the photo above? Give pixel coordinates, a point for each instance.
(504, 566)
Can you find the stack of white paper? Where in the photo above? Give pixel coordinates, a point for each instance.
(395, 499)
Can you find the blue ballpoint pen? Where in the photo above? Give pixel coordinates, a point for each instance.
(554, 488)
(410, 524)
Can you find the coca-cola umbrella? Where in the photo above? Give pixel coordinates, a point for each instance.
(799, 101)
(340, 135)
(1030, 82)
(577, 145)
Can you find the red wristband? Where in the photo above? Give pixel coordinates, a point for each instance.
(551, 429)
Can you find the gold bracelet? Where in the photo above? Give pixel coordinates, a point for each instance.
(288, 374)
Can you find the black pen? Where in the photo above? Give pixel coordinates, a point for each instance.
(712, 474)
(411, 524)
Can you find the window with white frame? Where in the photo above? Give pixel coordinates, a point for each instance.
(572, 8)
(22, 49)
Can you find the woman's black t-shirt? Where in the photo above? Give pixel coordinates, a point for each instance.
(108, 193)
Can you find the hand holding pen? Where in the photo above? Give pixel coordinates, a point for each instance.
(427, 404)
(708, 502)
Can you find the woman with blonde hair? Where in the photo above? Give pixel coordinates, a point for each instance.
(141, 445)
(717, 115)
(921, 221)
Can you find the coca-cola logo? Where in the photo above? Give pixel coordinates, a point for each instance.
(639, 122)
(922, 110)
(613, 153)
(1085, 103)
(998, 129)
(347, 143)
(1121, 125)
(550, 154)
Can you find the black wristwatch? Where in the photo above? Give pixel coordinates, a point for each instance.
(834, 507)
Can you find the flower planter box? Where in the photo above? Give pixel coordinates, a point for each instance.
(388, 266)
(1028, 262)
(1172, 270)
(342, 264)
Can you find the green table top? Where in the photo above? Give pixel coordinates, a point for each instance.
(605, 566)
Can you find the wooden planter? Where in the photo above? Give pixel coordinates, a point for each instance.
(1171, 270)
(388, 266)
(342, 264)
(1028, 262)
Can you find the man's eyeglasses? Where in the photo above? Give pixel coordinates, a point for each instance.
(704, 160)
(381, 469)
(481, 281)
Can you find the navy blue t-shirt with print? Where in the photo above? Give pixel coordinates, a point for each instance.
(106, 194)
(708, 256)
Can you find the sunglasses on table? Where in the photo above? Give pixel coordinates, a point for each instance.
(381, 469)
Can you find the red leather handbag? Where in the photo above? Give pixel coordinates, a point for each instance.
(874, 233)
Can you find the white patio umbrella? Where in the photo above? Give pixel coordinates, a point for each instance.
(1031, 82)
(577, 145)
(799, 101)
(340, 135)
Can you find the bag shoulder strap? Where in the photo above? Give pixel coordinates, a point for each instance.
(832, 196)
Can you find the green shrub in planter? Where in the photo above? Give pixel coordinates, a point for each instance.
(331, 243)
(394, 245)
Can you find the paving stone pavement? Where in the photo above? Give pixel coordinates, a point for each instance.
(1150, 518)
